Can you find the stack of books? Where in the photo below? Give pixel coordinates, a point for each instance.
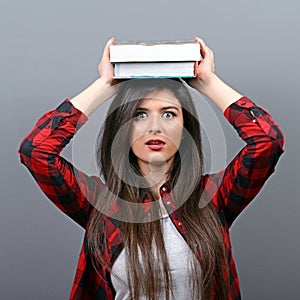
(163, 59)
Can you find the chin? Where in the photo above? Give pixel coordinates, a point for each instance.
(157, 160)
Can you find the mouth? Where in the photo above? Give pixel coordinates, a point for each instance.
(155, 144)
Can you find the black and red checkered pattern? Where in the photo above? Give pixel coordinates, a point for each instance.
(72, 191)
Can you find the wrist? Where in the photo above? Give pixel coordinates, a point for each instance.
(221, 93)
(206, 83)
(103, 82)
(93, 96)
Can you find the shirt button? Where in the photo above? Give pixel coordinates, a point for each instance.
(168, 202)
(179, 223)
(164, 189)
(254, 120)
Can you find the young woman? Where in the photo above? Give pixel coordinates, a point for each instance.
(155, 227)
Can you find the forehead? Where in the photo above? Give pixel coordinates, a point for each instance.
(160, 98)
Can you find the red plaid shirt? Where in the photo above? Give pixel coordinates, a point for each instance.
(230, 190)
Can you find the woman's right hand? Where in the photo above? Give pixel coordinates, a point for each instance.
(105, 67)
(101, 89)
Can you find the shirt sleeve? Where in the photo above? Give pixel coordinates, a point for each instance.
(71, 190)
(232, 189)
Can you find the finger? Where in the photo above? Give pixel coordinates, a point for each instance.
(106, 48)
(201, 42)
(203, 47)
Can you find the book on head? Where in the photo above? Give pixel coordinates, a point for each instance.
(155, 69)
(155, 59)
(155, 51)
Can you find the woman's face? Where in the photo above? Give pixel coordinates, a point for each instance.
(156, 130)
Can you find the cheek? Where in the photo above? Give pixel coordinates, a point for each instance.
(135, 134)
(175, 135)
(136, 140)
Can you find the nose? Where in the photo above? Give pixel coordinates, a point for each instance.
(154, 125)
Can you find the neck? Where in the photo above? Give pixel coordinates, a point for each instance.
(156, 175)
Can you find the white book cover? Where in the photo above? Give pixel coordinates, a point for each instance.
(154, 69)
(155, 51)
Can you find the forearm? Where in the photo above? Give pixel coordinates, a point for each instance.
(218, 91)
(93, 96)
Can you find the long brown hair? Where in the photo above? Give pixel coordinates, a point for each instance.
(124, 181)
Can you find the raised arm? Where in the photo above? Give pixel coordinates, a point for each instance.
(100, 90)
(71, 190)
(209, 84)
(233, 188)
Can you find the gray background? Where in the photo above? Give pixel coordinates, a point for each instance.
(50, 51)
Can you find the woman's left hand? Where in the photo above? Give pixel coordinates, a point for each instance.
(208, 83)
(205, 69)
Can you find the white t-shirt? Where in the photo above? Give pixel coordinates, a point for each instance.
(180, 257)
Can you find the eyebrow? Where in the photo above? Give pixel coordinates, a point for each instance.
(163, 108)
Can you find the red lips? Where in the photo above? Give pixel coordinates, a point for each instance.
(155, 144)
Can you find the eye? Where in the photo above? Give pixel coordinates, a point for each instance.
(168, 115)
(140, 115)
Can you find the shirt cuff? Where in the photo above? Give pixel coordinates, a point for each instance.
(244, 112)
(233, 110)
(67, 110)
(65, 116)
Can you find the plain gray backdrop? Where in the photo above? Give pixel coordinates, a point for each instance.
(50, 51)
